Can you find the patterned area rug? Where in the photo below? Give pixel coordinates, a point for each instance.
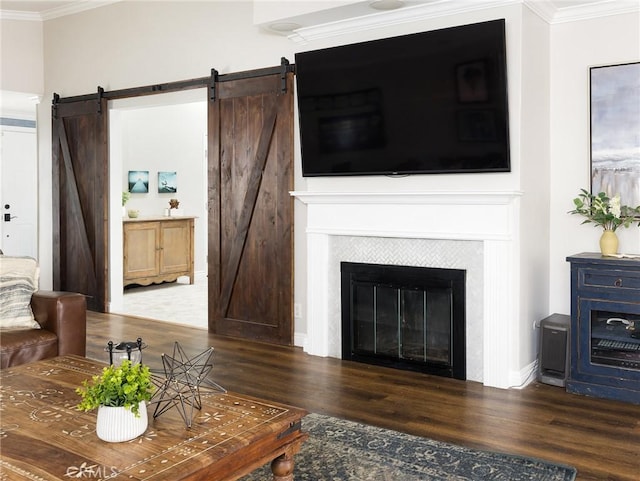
(339, 450)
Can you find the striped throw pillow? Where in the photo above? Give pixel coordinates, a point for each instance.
(18, 281)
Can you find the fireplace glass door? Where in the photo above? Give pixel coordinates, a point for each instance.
(404, 323)
(413, 321)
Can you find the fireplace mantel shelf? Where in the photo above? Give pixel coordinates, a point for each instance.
(427, 215)
(437, 197)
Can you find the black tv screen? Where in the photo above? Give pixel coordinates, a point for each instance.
(425, 103)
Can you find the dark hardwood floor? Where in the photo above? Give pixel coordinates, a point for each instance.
(601, 438)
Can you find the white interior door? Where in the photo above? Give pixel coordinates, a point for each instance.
(18, 191)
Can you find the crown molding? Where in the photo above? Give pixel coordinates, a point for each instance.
(551, 11)
(19, 15)
(554, 14)
(64, 10)
(399, 16)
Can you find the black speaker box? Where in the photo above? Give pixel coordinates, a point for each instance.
(553, 358)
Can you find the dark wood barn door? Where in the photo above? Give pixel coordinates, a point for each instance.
(250, 209)
(80, 187)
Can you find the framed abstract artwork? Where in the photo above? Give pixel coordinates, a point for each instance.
(615, 131)
(139, 181)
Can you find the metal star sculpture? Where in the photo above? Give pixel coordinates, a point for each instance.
(180, 386)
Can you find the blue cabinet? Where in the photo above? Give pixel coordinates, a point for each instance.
(605, 327)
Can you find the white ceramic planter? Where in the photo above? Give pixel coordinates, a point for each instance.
(118, 424)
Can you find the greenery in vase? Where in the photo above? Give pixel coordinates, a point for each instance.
(125, 197)
(604, 211)
(125, 385)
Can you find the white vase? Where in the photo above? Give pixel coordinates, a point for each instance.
(118, 424)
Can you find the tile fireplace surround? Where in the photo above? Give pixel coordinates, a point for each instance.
(475, 231)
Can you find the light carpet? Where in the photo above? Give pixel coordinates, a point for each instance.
(340, 450)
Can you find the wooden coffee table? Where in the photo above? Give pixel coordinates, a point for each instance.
(44, 437)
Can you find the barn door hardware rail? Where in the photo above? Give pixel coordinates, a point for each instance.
(57, 100)
(212, 85)
(283, 69)
(203, 82)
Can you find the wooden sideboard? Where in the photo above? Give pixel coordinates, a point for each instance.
(157, 249)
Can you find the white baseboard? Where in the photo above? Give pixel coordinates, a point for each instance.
(300, 339)
(525, 376)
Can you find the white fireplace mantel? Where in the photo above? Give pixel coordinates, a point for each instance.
(431, 215)
(489, 217)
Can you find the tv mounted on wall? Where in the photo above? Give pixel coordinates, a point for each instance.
(425, 103)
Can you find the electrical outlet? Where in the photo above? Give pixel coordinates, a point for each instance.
(297, 311)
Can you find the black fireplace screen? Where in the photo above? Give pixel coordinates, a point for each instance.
(405, 317)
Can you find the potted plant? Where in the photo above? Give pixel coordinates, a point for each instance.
(605, 212)
(125, 198)
(119, 394)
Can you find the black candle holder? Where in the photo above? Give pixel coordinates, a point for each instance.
(131, 350)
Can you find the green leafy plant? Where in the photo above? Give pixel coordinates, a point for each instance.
(125, 197)
(125, 385)
(604, 211)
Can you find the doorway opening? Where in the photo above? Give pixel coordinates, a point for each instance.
(159, 135)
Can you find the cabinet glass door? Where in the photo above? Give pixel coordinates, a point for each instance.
(608, 340)
(615, 339)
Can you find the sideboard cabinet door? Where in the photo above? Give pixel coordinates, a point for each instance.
(176, 254)
(141, 250)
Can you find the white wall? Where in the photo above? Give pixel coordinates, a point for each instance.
(533, 143)
(575, 47)
(131, 44)
(21, 51)
(169, 139)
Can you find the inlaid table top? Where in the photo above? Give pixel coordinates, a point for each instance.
(44, 437)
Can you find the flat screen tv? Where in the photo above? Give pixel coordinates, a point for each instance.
(426, 103)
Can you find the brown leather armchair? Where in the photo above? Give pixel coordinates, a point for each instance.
(63, 320)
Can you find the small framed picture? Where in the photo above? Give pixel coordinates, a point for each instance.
(471, 80)
(139, 181)
(167, 182)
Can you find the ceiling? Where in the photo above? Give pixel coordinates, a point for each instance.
(551, 10)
